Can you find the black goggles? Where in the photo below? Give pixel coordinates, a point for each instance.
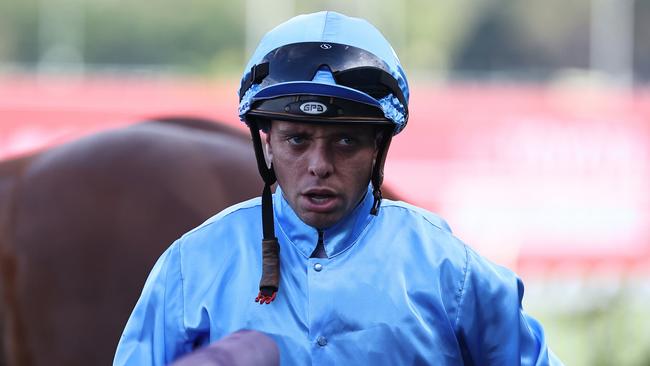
(351, 66)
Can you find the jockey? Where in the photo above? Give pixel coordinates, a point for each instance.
(341, 276)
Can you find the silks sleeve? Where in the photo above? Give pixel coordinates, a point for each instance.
(492, 326)
(154, 334)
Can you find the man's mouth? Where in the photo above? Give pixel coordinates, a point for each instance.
(320, 200)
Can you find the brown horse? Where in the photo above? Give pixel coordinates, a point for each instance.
(82, 224)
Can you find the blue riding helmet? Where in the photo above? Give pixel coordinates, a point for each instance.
(325, 54)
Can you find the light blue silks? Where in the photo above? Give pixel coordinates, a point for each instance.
(395, 289)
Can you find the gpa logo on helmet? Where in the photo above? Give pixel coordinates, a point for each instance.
(313, 108)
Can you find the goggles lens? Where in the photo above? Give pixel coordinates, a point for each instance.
(351, 66)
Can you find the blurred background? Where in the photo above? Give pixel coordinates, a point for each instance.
(529, 129)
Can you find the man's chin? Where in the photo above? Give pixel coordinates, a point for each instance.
(319, 220)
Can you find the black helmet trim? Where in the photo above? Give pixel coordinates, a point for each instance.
(318, 109)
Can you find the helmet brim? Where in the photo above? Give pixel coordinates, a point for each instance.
(315, 88)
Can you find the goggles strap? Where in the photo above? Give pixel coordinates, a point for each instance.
(255, 76)
(270, 281)
(377, 177)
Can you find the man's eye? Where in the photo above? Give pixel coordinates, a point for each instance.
(347, 141)
(296, 140)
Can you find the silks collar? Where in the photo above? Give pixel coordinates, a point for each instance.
(337, 238)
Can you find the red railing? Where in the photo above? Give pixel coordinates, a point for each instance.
(536, 178)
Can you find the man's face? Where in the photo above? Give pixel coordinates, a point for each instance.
(323, 170)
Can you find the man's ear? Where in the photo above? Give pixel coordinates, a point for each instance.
(268, 150)
(379, 135)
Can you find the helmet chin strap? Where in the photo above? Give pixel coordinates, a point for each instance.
(377, 177)
(270, 281)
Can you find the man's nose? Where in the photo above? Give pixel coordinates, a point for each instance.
(320, 162)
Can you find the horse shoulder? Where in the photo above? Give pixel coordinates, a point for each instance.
(10, 177)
